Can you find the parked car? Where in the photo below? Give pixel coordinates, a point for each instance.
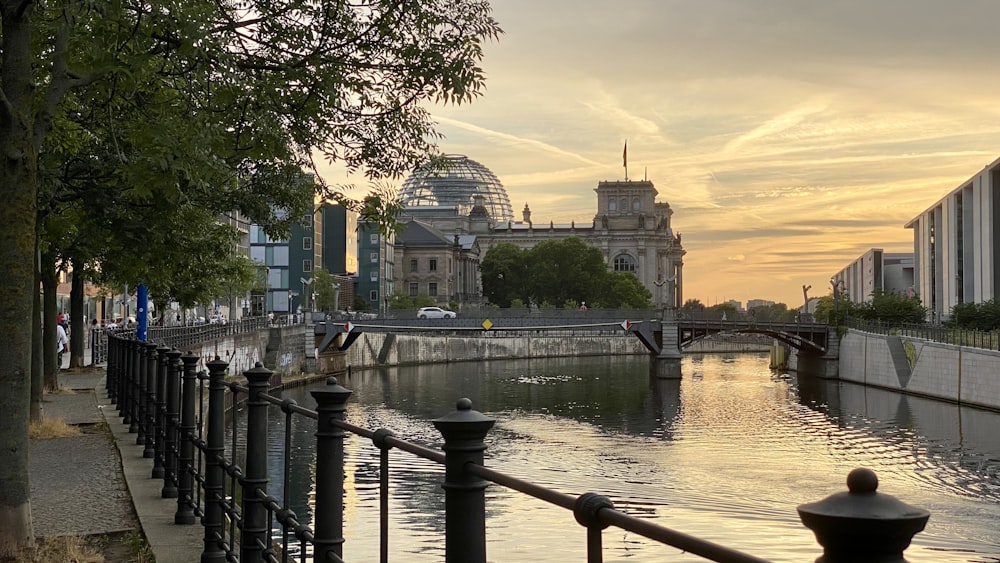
(434, 313)
(217, 319)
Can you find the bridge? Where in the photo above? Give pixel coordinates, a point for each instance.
(663, 338)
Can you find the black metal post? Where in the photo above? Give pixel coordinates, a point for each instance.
(185, 437)
(149, 357)
(862, 525)
(215, 448)
(141, 376)
(328, 532)
(254, 530)
(120, 377)
(170, 426)
(126, 385)
(160, 411)
(111, 379)
(465, 494)
(134, 391)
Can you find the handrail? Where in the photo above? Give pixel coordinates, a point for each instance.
(154, 390)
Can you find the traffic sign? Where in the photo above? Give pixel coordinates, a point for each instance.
(626, 324)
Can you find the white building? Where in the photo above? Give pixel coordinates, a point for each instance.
(957, 245)
(876, 270)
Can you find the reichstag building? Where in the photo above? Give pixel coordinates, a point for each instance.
(455, 212)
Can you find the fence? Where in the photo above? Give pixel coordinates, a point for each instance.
(937, 333)
(174, 336)
(161, 396)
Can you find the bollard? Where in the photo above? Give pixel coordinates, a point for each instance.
(465, 494)
(328, 534)
(254, 530)
(141, 378)
(861, 525)
(170, 426)
(150, 419)
(135, 390)
(185, 446)
(215, 448)
(159, 411)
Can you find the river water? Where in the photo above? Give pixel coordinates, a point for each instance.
(725, 454)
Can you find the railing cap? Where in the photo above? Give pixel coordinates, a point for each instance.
(862, 520)
(190, 358)
(464, 423)
(258, 374)
(332, 394)
(216, 365)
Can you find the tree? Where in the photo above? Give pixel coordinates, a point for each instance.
(504, 272)
(327, 290)
(891, 308)
(563, 273)
(692, 307)
(262, 85)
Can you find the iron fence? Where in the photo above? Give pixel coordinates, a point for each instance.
(988, 340)
(162, 397)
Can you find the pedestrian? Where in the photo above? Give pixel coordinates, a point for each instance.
(62, 343)
(583, 306)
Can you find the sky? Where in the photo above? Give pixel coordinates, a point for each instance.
(788, 136)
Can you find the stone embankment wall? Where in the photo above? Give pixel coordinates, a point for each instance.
(912, 365)
(374, 349)
(280, 349)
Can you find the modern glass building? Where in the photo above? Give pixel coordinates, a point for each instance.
(453, 181)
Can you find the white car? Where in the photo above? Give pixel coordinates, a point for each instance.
(434, 313)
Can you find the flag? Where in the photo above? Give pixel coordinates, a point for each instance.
(625, 155)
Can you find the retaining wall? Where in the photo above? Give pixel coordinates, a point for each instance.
(921, 367)
(374, 349)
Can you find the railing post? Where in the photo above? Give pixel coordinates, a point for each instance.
(121, 378)
(170, 423)
(465, 494)
(215, 448)
(254, 530)
(141, 389)
(125, 406)
(135, 389)
(150, 411)
(328, 533)
(159, 412)
(111, 379)
(861, 525)
(185, 445)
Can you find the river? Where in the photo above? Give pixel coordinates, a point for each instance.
(725, 454)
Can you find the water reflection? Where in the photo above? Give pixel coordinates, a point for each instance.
(726, 454)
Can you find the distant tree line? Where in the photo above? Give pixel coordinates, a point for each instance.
(558, 273)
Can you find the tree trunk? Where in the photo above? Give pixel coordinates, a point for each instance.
(77, 333)
(37, 355)
(19, 193)
(50, 282)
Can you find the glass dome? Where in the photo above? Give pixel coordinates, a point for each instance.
(454, 183)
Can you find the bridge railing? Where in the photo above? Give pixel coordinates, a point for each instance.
(163, 398)
(174, 336)
(989, 340)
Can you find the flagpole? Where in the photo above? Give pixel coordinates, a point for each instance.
(625, 159)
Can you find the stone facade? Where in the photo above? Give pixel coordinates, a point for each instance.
(630, 228)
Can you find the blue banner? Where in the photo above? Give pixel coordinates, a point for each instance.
(141, 308)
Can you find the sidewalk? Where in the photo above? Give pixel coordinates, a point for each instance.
(98, 482)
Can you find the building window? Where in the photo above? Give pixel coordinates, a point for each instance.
(432, 289)
(434, 265)
(307, 265)
(373, 295)
(636, 206)
(624, 263)
(624, 205)
(413, 265)
(373, 275)
(307, 220)
(373, 239)
(612, 204)
(374, 257)
(307, 243)
(413, 289)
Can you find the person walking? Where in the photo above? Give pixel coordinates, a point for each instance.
(62, 343)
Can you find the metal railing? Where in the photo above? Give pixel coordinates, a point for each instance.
(162, 397)
(988, 340)
(173, 336)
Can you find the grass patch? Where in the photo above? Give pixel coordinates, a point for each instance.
(49, 428)
(62, 549)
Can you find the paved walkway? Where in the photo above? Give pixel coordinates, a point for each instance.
(99, 482)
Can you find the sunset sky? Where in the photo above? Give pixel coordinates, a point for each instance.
(788, 136)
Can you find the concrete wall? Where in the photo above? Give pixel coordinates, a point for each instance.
(943, 371)
(372, 349)
(280, 349)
